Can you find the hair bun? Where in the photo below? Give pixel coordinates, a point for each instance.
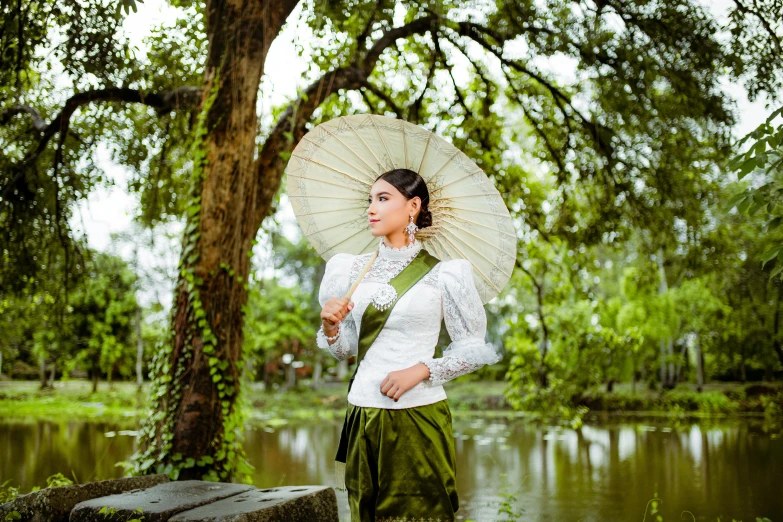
(425, 218)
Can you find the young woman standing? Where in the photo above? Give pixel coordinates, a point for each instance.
(397, 442)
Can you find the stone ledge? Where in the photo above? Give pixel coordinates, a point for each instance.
(158, 503)
(55, 504)
(283, 504)
(200, 501)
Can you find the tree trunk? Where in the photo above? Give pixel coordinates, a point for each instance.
(139, 351)
(290, 376)
(776, 329)
(699, 364)
(743, 377)
(642, 373)
(52, 374)
(204, 357)
(609, 385)
(250, 369)
(683, 360)
(667, 345)
(42, 371)
(1, 363)
(317, 371)
(267, 375)
(543, 380)
(342, 369)
(95, 374)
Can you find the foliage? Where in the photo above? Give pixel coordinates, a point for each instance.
(277, 321)
(92, 332)
(7, 493)
(109, 513)
(762, 165)
(101, 318)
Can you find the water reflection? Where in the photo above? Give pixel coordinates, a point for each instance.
(606, 471)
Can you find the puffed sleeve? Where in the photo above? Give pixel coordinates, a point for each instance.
(466, 322)
(335, 283)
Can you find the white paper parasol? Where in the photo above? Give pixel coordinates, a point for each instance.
(332, 170)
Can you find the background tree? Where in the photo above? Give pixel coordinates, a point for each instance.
(278, 321)
(100, 324)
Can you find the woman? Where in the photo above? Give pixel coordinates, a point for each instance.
(398, 443)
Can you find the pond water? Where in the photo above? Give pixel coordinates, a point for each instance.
(606, 471)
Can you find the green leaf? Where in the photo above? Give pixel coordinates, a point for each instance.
(205, 460)
(745, 204)
(746, 167)
(774, 115)
(736, 199)
(770, 254)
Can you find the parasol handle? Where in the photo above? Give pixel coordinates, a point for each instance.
(358, 279)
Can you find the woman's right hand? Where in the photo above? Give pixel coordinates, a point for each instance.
(334, 311)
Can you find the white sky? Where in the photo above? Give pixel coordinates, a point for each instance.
(111, 209)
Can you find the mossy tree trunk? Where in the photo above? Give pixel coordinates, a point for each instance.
(197, 373)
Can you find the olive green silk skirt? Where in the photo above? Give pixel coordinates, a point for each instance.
(401, 464)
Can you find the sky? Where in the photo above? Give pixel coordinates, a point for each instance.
(111, 209)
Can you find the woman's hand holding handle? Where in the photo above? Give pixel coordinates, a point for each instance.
(333, 312)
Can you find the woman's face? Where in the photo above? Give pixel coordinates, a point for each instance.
(389, 211)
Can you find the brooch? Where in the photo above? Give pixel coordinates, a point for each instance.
(384, 297)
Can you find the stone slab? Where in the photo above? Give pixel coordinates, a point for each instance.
(55, 504)
(158, 503)
(282, 504)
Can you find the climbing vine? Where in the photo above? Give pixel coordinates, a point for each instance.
(225, 458)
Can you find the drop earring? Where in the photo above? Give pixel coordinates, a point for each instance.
(411, 230)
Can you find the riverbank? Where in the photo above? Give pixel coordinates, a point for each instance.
(74, 399)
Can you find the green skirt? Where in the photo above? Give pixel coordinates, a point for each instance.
(401, 464)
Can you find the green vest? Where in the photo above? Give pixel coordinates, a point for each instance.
(373, 321)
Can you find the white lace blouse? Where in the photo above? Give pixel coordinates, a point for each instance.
(410, 334)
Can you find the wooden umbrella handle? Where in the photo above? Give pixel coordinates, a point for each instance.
(358, 279)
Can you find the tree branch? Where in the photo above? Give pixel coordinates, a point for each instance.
(270, 163)
(38, 123)
(474, 32)
(362, 38)
(383, 96)
(419, 26)
(182, 97)
(368, 101)
(764, 22)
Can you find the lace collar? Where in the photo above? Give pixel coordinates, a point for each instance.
(406, 252)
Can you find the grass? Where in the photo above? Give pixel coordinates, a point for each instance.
(716, 398)
(74, 399)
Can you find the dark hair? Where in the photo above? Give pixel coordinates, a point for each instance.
(410, 185)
